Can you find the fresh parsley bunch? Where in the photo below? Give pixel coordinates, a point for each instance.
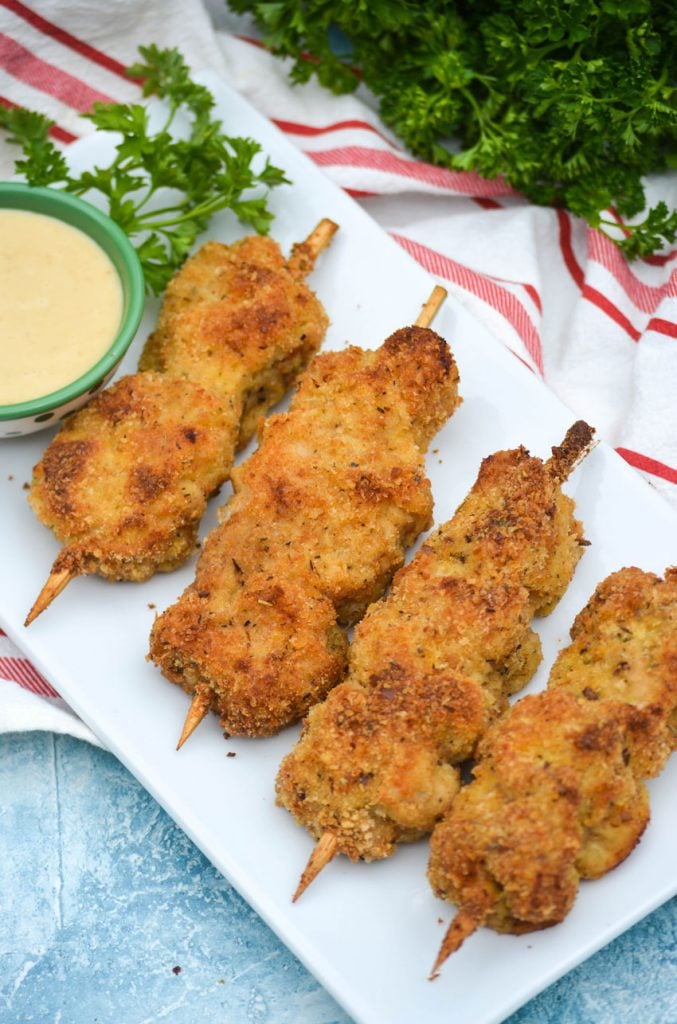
(571, 102)
(162, 186)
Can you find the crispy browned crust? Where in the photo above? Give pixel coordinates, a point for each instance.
(558, 793)
(237, 320)
(319, 521)
(422, 364)
(433, 663)
(518, 520)
(575, 446)
(124, 483)
(624, 647)
(553, 800)
(251, 644)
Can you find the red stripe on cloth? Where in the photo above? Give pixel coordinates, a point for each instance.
(358, 193)
(48, 28)
(464, 182)
(606, 306)
(294, 128)
(487, 204)
(649, 465)
(534, 296)
(22, 672)
(659, 259)
(22, 64)
(643, 296)
(565, 244)
(55, 131)
(500, 299)
(252, 41)
(522, 361)
(531, 291)
(587, 291)
(662, 326)
(619, 220)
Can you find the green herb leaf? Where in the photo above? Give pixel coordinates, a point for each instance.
(161, 187)
(572, 103)
(43, 163)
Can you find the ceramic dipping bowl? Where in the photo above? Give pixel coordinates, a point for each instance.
(44, 411)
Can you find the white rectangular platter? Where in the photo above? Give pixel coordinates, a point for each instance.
(368, 932)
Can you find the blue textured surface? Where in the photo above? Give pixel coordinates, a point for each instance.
(103, 898)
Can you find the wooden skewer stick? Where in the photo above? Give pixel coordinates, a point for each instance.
(56, 581)
(199, 706)
(304, 254)
(577, 443)
(466, 921)
(301, 262)
(431, 306)
(327, 845)
(319, 858)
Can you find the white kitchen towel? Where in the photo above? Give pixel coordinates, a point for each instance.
(600, 332)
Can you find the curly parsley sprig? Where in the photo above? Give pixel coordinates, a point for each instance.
(572, 103)
(163, 185)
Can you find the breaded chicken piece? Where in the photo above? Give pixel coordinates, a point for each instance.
(557, 795)
(432, 664)
(236, 325)
(552, 801)
(318, 524)
(240, 321)
(125, 482)
(626, 639)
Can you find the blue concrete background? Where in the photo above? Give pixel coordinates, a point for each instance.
(110, 915)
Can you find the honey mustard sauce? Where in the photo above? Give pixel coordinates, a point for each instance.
(61, 304)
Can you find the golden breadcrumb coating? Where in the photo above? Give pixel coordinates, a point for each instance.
(557, 794)
(433, 663)
(552, 800)
(318, 523)
(626, 639)
(124, 483)
(239, 320)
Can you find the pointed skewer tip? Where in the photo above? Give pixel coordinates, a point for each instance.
(56, 582)
(324, 851)
(466, 921)
(199, 706)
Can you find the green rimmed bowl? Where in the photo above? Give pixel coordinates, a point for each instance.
(38, 413)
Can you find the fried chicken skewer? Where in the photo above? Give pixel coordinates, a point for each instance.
(558, 793)
(433, 663)
(125, 482)
(319, 521)
(200, 703)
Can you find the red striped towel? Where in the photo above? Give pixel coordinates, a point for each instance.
(602, 333)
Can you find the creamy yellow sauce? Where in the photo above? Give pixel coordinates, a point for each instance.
(60, 304)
